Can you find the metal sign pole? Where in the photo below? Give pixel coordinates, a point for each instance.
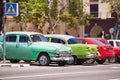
(4, 36)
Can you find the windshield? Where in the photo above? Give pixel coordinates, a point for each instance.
(43, 38)
(73, 41)
(38, 38)
(97, 42)
(106, 42)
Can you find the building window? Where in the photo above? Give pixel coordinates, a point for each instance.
(94, 10)
(94, 0)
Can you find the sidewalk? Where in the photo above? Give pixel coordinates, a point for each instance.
(8, 64)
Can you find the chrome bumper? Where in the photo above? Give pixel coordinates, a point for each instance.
(61, 58)
(94, 55)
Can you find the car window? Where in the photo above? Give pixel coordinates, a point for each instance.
(11, 38)
(24, 39)
(82, 41)
(111, 43)
(43, 38)
(61, 41)
(35, 38)
(106, 42)
(117, 43)
(73, 41)
(97, 42)
(57, 40)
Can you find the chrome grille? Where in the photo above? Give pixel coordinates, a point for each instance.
(64, 54)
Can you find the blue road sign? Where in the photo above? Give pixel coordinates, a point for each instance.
(11, 9)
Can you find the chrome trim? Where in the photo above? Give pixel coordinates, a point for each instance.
(61, 58)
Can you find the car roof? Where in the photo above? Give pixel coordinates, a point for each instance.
(23, 32)
(101, 39)
(85, 38)
(60, 36)
(113, 40)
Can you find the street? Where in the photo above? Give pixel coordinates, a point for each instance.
(105, 71)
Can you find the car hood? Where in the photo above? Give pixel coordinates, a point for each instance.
(58, 46)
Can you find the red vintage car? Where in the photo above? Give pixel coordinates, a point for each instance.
(106, 51)
(116, 46)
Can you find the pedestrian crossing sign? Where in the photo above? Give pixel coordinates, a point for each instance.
(11, 9)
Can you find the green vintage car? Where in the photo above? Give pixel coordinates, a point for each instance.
(81, 52)
(32, 46)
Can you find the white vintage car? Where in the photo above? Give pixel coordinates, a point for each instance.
(116, 45)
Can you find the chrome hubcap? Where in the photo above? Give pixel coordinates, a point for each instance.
(43, 60)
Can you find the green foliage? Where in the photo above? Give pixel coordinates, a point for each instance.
(36, 11)
(66, 17)
(54, 9)
(79, 16)
(31, 10)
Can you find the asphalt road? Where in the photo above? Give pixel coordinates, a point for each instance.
(69, 72)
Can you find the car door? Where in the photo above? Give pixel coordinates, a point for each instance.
(23, 47)
(11, 41)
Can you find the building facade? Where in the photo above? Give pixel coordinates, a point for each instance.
(102, 19)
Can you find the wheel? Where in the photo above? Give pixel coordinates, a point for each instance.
(90, 61)
(80, 61)
(117, 59)
(100, 61)
(44, 60)
(72, 61)
(61, 63)
(112, 60)
(14, 61)
(0, 59)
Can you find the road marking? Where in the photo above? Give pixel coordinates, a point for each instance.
(115, 79)
(115, 67)
(57, 74)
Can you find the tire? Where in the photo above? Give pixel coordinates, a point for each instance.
(14, 61)
(112, 60)
(0, 59)
(44, 60)
(80, 61)
(117, 59)
(72, 62)
(90, 61)
(100, 61)
(61, 63)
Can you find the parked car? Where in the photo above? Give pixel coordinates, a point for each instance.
(81, 52)
(116, 45)
(106, 51)
(32, 46)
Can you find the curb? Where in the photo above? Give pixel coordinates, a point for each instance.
(14, 65)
